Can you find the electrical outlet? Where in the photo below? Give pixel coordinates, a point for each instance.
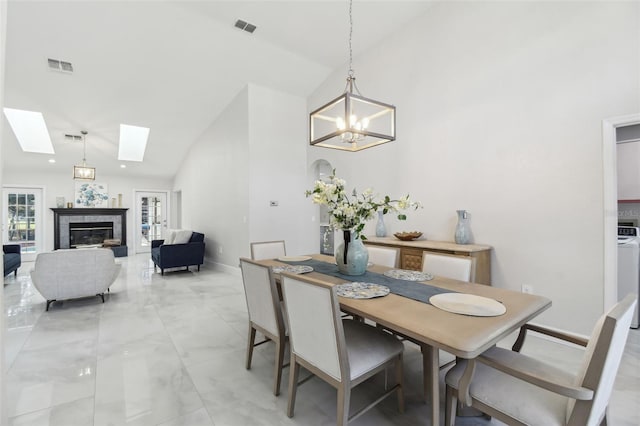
(220, 249)
(527, 289)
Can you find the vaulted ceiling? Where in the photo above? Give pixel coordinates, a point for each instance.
(171, 66)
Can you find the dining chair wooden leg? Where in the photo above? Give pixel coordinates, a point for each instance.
(294, 371)
(344, 401)
(400, 382)
(425, 372)
(250, 343)
(278, 367)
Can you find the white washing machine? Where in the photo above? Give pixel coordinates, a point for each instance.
(629, 265)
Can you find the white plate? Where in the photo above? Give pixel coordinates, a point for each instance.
(408, 275)
(294, 258)
(468, 304)
(294, 269)
(361, 290)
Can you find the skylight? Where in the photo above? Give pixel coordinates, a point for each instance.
(133, 142)
(30, 130)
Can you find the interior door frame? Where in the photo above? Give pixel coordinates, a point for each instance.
(610, 198)
(42, 226)
(136, 214)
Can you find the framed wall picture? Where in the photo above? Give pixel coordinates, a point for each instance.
(92, 195)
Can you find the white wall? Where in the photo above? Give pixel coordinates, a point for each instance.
(251, 154)
(62, 185)
(214, 182)
(499, 112)
(277, 163)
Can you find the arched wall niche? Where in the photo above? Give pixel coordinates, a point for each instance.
(321, 169)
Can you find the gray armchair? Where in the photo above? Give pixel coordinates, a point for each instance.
(74, 273)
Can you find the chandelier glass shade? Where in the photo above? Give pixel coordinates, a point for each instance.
(84, 172)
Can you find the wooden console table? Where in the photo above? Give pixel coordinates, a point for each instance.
(411, 253)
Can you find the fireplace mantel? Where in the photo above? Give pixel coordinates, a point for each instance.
(62, 218)
(88, 210)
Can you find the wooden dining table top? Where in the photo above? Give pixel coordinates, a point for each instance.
(462, 335)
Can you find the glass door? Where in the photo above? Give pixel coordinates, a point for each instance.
(22, 220)
(151, 219)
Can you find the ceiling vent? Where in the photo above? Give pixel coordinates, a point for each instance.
(250, 28)
(57, 65)
(72, 138)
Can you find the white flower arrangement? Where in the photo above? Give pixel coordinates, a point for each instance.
(351, 213)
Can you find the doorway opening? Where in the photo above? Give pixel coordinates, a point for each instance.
(322, 169)
(610, 196)
(151, 218)
(22, 220)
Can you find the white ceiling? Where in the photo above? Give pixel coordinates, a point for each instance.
(171, 66)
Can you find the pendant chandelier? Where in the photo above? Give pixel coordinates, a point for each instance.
(352, 122)
(84, 172)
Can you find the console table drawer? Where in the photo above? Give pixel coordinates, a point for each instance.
(411, 259)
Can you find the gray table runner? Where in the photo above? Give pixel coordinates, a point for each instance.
(410, 289)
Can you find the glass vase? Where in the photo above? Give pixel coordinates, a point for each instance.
(351, 256)
(381, 231)
(463, 232)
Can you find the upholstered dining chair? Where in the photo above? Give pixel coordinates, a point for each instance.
(343, 353)
(385, 256)
(265, 314)
(267, 250)
(460, 268)
(518, 389)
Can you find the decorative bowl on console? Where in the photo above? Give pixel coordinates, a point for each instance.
(407, 236)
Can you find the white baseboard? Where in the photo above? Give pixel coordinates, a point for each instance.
(234, 270)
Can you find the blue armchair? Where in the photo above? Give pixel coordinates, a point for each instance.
(12, 258)
(166, 256)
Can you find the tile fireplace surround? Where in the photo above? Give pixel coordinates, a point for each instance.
(63, 217)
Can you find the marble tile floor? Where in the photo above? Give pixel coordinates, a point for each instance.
(169, 350)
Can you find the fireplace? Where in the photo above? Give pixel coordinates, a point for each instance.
(84, 226)
(89, 234)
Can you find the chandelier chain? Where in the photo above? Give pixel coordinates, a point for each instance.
(350, 37)
(84, 146)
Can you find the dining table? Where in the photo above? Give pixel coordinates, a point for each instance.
(433, 328)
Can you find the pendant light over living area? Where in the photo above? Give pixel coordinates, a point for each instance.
(352, 122)
(84, 172)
